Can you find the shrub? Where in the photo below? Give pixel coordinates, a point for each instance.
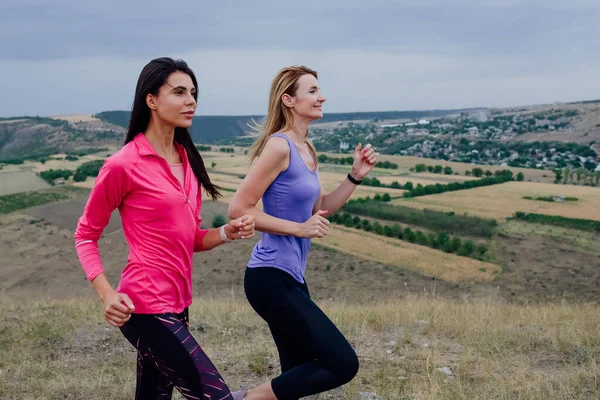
(218, 221)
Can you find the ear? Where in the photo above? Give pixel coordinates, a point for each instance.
(287, 100)
(151, 101)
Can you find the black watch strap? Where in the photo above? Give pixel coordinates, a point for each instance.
(351, 179)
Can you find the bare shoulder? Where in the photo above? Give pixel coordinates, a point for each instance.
(276, 147)
(275, 155)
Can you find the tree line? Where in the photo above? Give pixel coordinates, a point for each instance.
(378, 207)
(323, 158)
(441, 240)
(420, 190)
(566, 175)
(437, 169)
(556, 220)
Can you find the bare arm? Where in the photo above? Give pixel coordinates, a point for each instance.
(364, 161)
(241, 228)
(273, 160)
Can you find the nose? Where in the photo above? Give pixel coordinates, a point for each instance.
(322, 98)
(191, 100)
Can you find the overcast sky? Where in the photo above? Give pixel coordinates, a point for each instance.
(70, 57)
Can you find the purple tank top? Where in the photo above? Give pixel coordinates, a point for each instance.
(291, 196)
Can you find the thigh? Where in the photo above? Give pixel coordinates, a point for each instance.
(177, 355)
(291, 352)
(150, 382)
(309, 325)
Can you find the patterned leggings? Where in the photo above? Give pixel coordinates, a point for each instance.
(169, 356)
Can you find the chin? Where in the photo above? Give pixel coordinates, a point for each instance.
(184, 124)
(317, 115)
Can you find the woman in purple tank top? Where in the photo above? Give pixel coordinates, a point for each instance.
(313, 353)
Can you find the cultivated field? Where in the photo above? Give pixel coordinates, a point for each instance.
(447, 267)
(65, 164)
(501, 201)
(20, 181)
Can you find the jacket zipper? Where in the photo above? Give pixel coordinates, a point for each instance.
(187, 199)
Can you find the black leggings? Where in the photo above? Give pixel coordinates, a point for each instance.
(314, 355)
(169, 356)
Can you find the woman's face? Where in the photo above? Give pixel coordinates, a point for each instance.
(308, 100)
(175, 104)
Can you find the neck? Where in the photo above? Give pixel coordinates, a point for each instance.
(300, 129)
(162, 137)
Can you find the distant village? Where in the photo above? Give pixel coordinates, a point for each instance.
(477, 137)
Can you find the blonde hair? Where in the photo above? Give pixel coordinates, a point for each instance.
(279, 117)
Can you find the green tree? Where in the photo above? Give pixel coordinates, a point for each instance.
(377, 228)
(448, 170)
(408, 186)
(478, 172)
(437, 169)
(420, 168)
(579, 173)
(388, 231)
(213, 165)
(520, 176)
(466, 249)
(481, 250)
(386, 197)
(565, 173)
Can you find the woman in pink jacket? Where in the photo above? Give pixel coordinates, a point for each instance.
(155, 181)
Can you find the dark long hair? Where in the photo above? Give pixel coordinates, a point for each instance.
(152, 77)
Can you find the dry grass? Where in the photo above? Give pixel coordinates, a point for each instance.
(60, 349)
(20, 181)
(9, 168)
(76, 118)
(393, 252)
(65, 164)
(587, 241)
(89, 183)
(12, 121)
(500, 201)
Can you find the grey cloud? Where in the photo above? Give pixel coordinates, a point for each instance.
(41, 29)
(65, 57)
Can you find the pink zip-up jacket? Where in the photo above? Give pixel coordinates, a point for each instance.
(161, 223)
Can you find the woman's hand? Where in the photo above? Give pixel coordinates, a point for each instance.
(364, 161)
(117, 308)
(316, 226)
(240, 228)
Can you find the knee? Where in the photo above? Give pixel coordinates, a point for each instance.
(348, 368)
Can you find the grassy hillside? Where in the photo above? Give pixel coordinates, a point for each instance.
(38, 138)
(417, 348)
